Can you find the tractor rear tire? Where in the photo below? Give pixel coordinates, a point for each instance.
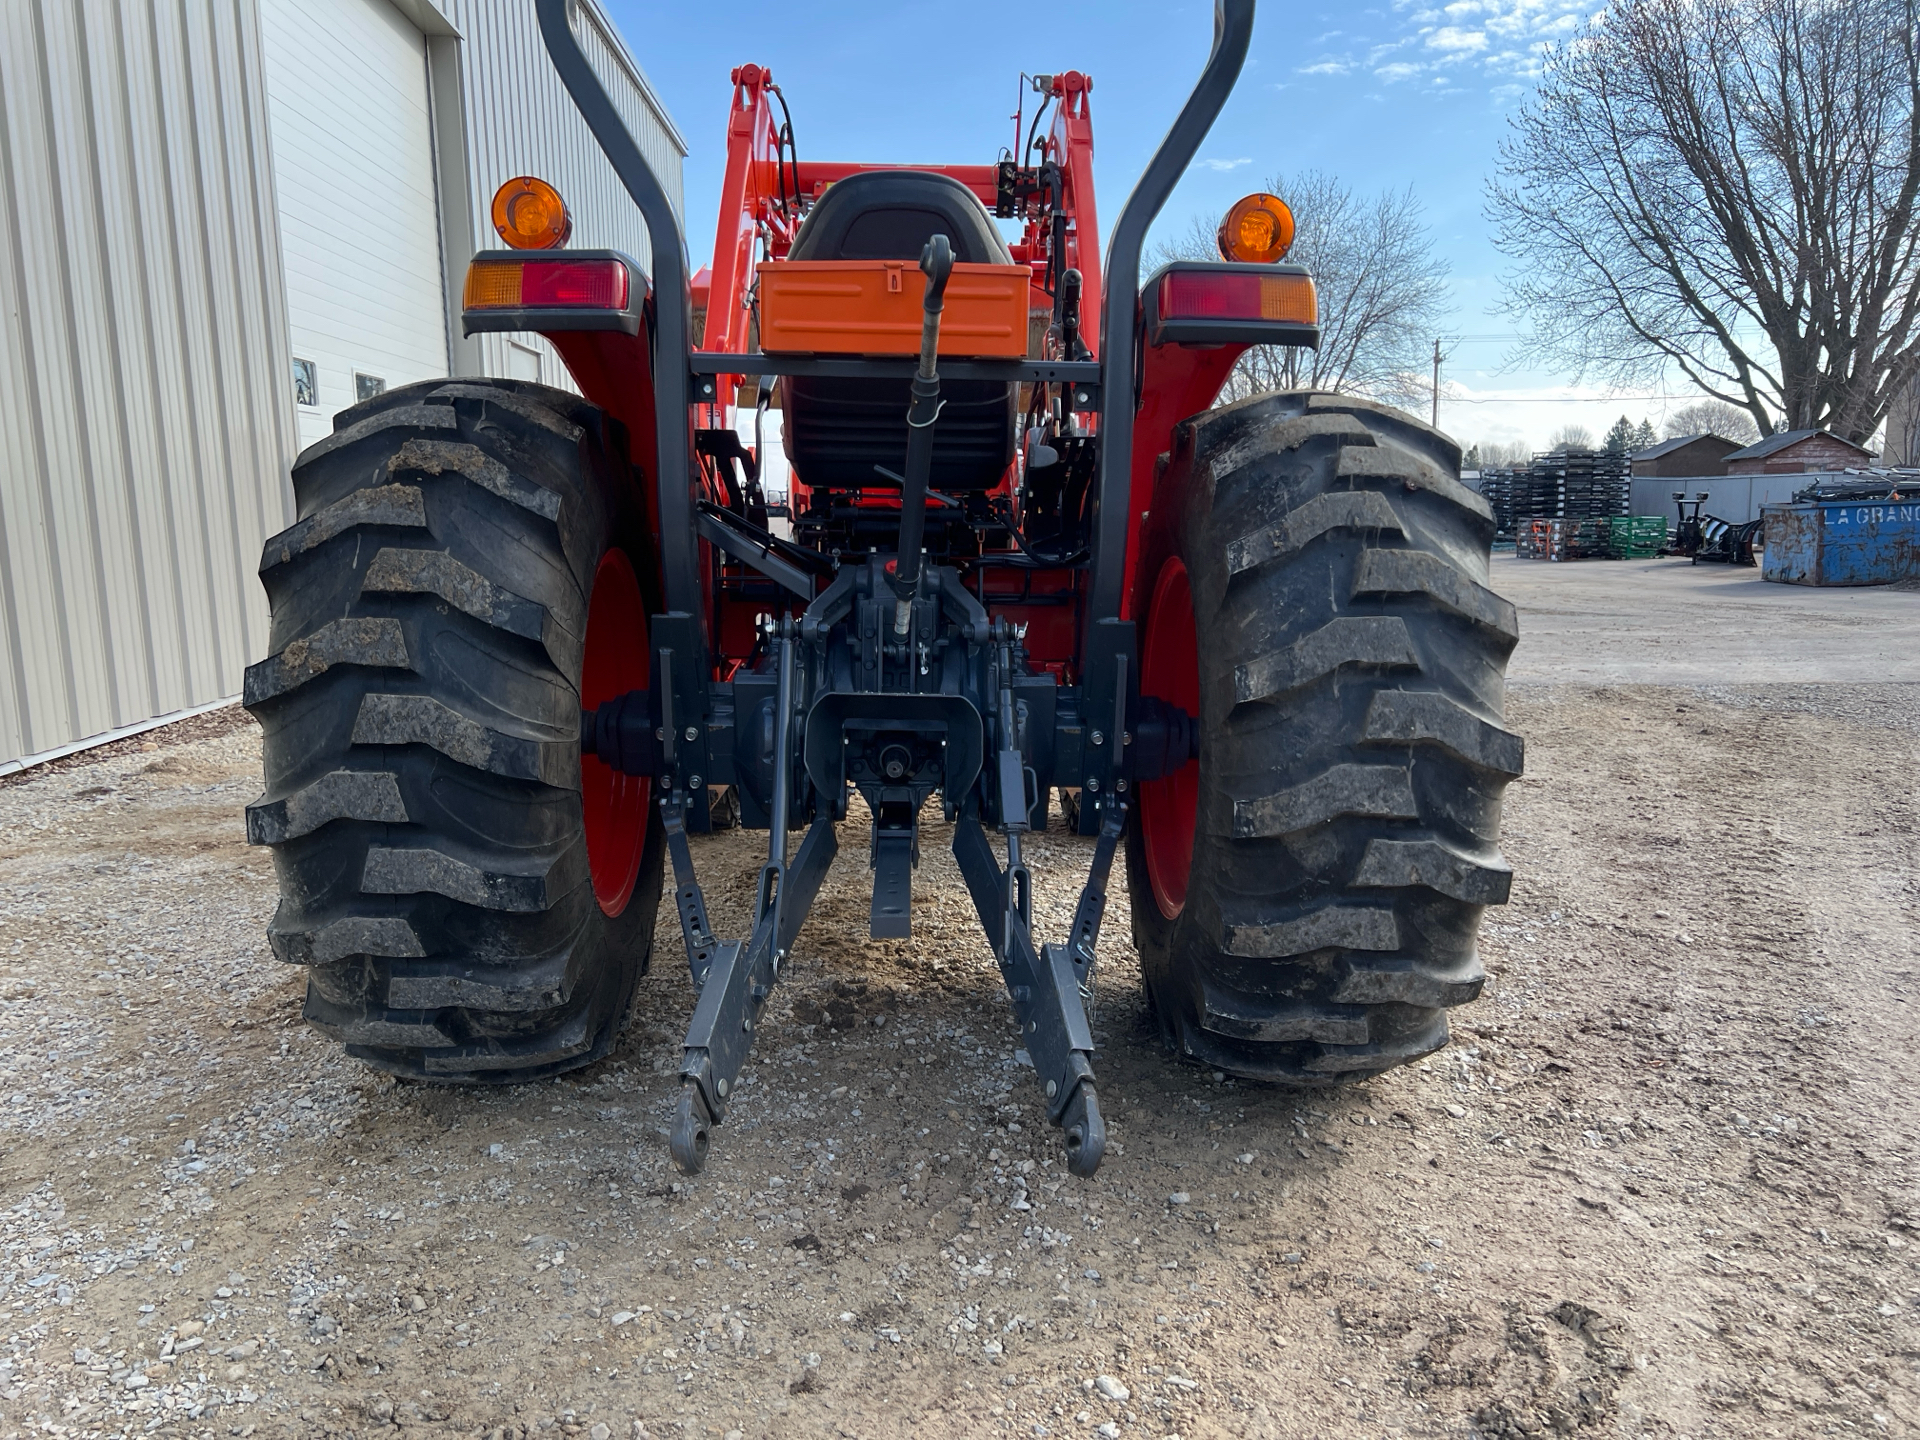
(1306, 895)
(473, 902)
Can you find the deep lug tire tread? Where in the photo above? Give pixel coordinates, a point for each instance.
(420, 708)
(1352, 750)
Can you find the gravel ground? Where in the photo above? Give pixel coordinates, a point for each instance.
(1661, 622)
(1663, 1184)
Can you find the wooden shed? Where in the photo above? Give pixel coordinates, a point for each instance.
(1685, 455)
(1793, 452)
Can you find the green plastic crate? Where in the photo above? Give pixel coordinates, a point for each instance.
(1636, 537)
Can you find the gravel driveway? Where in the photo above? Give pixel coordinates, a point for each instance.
(1664, 1183)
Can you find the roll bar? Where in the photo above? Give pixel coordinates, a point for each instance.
(1119, 316)
(672, 300)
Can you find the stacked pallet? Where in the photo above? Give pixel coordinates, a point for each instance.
(1497, 485)
(1547, 537)
(1585, 484)
(1560, 485)
(1537, 492)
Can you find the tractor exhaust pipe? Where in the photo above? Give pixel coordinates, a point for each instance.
(937, 262)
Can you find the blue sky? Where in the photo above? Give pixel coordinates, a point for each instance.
(1382, 95)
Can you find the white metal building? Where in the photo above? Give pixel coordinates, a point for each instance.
(226, 223)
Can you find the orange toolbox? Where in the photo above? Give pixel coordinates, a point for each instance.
(872, 307)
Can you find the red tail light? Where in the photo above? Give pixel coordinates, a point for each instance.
(574, 284)
(1238, 295)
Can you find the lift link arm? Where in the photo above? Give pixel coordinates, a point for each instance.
(735, 980)
(1050, 986)
(1045, 988)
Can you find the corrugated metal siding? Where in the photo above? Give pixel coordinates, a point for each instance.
(145, 420)
(1733, 498)
(351, 119)
(521, 121)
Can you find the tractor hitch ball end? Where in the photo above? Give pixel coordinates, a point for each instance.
(692, 1130)
(1085, 1132)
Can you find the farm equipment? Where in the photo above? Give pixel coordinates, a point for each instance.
(1722, 542)
(1687, 533)
(520, 638)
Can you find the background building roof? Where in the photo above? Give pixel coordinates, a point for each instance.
(1779, 441)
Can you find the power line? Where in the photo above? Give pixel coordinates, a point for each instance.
(1558, 400)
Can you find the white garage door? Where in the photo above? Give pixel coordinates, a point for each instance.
(359, 223)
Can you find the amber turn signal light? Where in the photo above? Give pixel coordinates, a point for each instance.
(1257, 230)
(557, 284)
(529, 214)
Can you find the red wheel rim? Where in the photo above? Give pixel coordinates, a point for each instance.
(615, 804)
(1170, 671)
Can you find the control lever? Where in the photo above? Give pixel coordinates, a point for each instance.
(936, 260)
(1072, 347)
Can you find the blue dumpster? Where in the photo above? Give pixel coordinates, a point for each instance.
(1842, 542)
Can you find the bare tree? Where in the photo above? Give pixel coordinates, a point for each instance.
(1727, 187)
(1572, 437)
(1504, 454)
(1381, 285)
(1712, 417)
(1903, 429)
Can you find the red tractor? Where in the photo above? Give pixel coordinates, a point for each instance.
(522, 640)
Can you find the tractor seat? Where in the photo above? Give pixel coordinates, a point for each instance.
(837, 430)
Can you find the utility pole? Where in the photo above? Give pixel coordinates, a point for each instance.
(1436, 384)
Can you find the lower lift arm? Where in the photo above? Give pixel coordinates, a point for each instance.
(735, 979)
(1051, 986)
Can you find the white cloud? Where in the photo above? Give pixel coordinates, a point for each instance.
(1502, 40)
(1500, 37)
(1451, 39)
(1222, 166)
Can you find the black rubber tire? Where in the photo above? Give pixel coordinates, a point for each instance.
(1352, 755)
(421, 718)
